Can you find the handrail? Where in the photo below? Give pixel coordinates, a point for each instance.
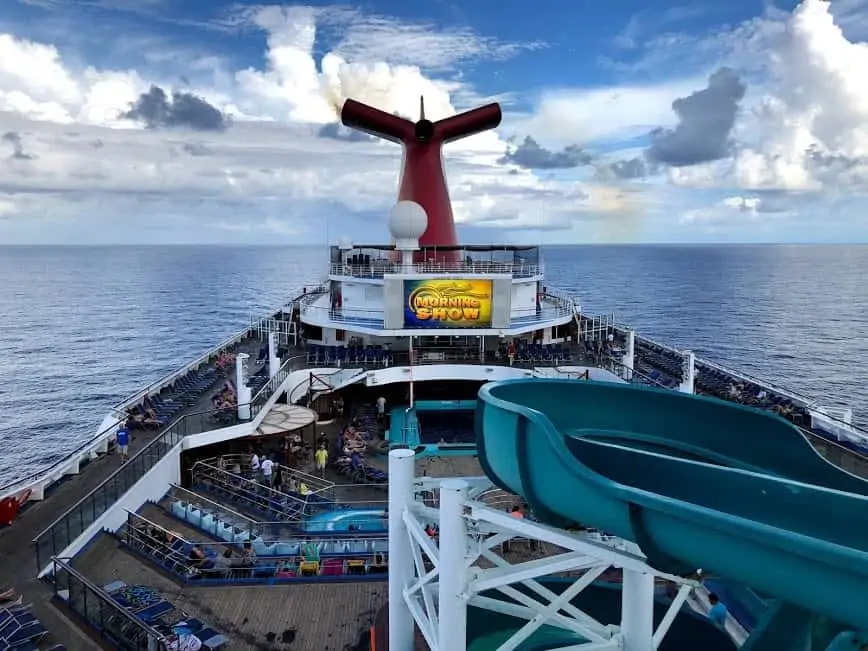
(134, 535)
(15, 485)
(228, 341)
(121, 469)
(841, 448)
(142, 393)
(809, 402)
(8, 487)
(251, 486)
(759, 381)
(645, 377)
(77, 518)
(107, 599)
(243, 462)
(174, 489)
(278, 379)
(384, 267)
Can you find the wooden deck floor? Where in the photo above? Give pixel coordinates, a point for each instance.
(326, 617)
(17, 560)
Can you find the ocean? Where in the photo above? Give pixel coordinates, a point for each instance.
(83, 327)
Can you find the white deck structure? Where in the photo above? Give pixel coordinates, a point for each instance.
(432, 584)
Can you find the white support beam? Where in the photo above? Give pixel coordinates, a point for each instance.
(418, 536)
(423, 586)
(401, 568)
(574, 625)
(537, 531)
(471, 533)
(627, 558)
(520, 611)
(540, 590)
(552, 609)
(476, 485)
(637, 611)
(494, 578)
(425, 627)
(669, 618)
(452, 599)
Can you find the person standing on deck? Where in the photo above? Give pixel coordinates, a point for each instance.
(321, 456)
(381, 408)
(267, 471)
(718, 612)
(123, 442)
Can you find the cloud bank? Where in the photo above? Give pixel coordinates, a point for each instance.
(215, 150)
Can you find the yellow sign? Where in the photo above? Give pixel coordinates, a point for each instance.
(447, 303)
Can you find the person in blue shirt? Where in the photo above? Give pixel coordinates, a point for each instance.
(123, 442)
(718, 611)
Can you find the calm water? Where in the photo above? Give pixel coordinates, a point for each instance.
(81, 328)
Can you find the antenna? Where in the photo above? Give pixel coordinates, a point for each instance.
(421, 107)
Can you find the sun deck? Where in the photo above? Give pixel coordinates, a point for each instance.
(319, 616)
(653, 364)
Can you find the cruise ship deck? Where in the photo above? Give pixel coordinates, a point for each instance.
(192, 536)
(107, 560)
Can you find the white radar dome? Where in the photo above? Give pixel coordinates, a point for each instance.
(407, 221)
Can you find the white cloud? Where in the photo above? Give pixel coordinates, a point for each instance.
(817, 105)
(270, 173)
(617, 112)
(804, 123)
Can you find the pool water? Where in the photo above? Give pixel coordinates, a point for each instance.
(345, 520)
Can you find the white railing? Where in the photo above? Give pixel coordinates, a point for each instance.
(381, 268)
(167, 379)
(806, 401)
(835, 421)
(362, 317)
(552, 306)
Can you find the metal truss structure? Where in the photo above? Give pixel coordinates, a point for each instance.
(433, 581)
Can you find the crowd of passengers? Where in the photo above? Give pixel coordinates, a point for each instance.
(145, 417)
(740, 391)
(226, 399)
(265, 463)
(161, 543)
(224, 562)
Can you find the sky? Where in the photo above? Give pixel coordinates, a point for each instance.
(203, 122)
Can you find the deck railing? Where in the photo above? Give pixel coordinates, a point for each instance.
(382, 268)
(215, 351)
(551, 308)
(17, 485)
(69, 526)
(114, 623)
(258, 400)
(57, 536)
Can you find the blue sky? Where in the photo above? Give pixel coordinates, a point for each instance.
(686, 122)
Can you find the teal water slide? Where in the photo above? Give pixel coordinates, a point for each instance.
(695, 481)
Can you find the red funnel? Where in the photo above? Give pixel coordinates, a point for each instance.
(422, 179)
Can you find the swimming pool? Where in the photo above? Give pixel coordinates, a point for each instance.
(435, 427)
(345, 520)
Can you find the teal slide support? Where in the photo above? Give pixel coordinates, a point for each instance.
(695, 481)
